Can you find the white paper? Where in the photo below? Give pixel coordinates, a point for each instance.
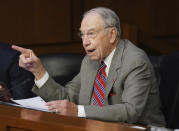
(36, 103)
(138, 127)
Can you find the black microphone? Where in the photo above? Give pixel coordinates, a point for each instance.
(8, 90)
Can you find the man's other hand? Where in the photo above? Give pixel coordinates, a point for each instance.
(63, 107)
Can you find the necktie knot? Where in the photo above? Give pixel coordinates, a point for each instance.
(102, 66)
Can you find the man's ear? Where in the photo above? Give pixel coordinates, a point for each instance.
(113, 34)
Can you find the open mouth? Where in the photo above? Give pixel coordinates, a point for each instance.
(90, 51)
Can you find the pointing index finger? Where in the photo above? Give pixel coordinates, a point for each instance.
(20, 49)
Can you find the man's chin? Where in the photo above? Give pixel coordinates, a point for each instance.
(93, 58)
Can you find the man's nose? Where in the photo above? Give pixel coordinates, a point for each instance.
(86, 40)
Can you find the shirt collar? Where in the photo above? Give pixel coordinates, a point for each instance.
(108, 59)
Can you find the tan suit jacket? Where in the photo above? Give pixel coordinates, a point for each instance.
(131, 92)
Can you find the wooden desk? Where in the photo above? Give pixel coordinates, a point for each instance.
(21, 119)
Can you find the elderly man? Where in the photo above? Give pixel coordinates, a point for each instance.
(116, 81)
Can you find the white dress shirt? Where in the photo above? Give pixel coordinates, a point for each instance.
(81, 111)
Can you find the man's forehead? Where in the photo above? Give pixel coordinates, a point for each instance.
(89, 28)
(90, 22)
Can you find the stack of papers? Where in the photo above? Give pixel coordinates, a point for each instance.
(36, 103)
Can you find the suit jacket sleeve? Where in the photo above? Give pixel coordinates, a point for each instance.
(52, 90)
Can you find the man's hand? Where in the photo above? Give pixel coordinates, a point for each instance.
(63, 107)
(29, 61)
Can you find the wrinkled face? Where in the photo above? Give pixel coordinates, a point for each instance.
(95, 37)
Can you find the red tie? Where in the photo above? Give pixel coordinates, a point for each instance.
(99, 86)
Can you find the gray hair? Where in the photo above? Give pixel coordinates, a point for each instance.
(108, 16)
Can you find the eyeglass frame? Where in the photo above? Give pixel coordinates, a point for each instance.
(93, 34)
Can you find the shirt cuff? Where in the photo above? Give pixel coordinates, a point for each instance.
(81, 111)
(39, 83)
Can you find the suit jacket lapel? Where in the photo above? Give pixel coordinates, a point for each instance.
(114, 67)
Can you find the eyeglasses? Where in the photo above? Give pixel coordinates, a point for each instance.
(92, 33)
